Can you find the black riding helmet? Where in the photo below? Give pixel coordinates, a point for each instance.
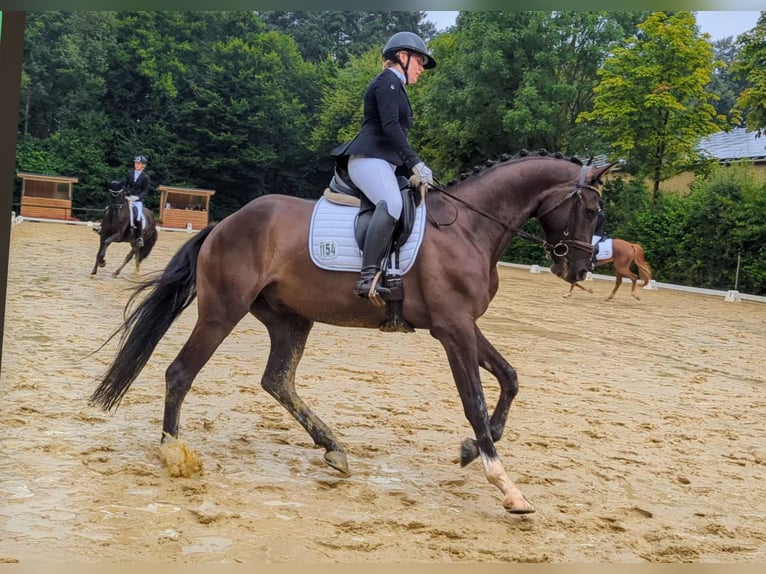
(411, 42)
(140, 159)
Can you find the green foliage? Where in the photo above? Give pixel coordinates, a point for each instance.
(694, 239)
(724, 82)
(750, 66)
(652, 103)
(241, 124)
(527, 252)
(513, 80)
(709, 237)
(343, 35)
(340, 115)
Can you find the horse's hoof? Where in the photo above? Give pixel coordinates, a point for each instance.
(518, 505)
(468, 451)
(566, 295)
(102, 263)
(337, 460)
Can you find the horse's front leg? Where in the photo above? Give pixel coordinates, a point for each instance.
(102, 246)
(461, 344)
(492, 361)
(99, 257)
(106, 243)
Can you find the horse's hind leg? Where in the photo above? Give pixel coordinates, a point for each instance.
(128, 257)
(205, 338)
(573, 285)
(617, 283)
(288, 333)
(492, 361)
(634, 278)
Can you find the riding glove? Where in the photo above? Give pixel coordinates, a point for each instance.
(421, 174)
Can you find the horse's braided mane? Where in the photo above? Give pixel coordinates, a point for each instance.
(507, 157)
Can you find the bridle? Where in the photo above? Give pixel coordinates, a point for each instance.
(114, 203)
(561, 248)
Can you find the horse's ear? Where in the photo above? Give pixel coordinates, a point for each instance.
(596, 174)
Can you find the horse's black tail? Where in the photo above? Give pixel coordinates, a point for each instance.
(172, 291)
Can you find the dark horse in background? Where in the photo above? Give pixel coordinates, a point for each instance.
(115, 228)
(256, 261)
(624, 254)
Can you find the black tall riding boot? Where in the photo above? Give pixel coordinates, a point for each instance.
(377, 241)
(139, 233)
(594, 258)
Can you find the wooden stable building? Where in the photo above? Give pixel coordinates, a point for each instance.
(46, 196)
(184, 207)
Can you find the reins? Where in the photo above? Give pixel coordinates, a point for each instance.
(562, 247)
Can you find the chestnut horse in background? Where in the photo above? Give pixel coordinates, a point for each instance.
(256, 261)
(624, 253)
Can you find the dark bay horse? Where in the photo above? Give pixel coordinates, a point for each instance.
(256, 261)
(624, 253)
(115, 228)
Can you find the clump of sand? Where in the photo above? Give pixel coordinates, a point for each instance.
(179, 458)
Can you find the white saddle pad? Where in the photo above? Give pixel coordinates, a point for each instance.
(604, 250)
(333, 246)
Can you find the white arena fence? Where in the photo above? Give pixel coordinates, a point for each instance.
(731, 295)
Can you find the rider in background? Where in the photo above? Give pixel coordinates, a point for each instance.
(136, 188)
(380, 152)
(598, 233)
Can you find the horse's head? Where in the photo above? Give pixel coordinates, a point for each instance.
(567, 214)
(116, 192)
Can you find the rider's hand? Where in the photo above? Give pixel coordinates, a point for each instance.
(421, 174)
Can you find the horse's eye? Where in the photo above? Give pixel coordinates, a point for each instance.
(590, 213)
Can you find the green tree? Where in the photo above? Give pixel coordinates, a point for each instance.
(241, 123)
(724, 83)
(750, 67)
(63, 128)
(64, 69)
(651, 102)
(341, 112)
(513, 80)
(342, 35)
